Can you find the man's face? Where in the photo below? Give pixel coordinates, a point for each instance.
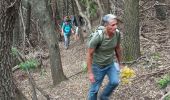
(111, 27)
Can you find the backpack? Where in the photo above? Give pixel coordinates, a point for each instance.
(67, 27)
(98, 31)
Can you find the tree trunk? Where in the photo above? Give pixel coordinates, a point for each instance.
(8, 14)
(57, 15)
(105, 5)
(168, 16)
(16, 32)
(131, 42)
(28, 20)
(48, 28)
(16, 37)
(113, 6)
(56, 11)
(100, 9)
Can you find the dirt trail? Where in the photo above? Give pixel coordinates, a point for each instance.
(76, 87)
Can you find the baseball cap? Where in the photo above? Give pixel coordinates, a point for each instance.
(67, 18)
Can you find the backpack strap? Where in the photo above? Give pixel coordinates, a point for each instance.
(100, 32)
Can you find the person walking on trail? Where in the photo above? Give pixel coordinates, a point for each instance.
(100, 59)
(66, 31)
(76, 27)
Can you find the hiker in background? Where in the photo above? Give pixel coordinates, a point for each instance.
(75, 27)
(67, 31)
(100, 59)
(82, 23)
(80, 19)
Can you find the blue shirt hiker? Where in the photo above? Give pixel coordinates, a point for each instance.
(67, 30)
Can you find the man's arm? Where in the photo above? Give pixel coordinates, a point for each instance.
(90, 53)
(62, 28)
(72, 31)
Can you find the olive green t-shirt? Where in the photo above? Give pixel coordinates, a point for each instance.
(104, 53)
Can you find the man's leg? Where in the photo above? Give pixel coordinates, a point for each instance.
(77, 34)
(113, 75)
(94, 88)
(66, 41)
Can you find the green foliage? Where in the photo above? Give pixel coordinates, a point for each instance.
(167, 97)
(29, 64)
(83, 2)
(14, 51)
(164, 81)
(93, 6)
(156, 56)
(58, 17)
(84, 65)
(93, 9)
(128, 58)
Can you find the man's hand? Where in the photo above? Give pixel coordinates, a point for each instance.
(91, 77)
(90, 52)
(62, 32)
(72, 31)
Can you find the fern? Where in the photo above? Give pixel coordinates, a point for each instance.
(164, 81)
(29, 64)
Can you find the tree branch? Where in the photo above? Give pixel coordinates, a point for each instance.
(112, 6)
(83, 15)
(12, 4)
(100, 9)
(163, 97)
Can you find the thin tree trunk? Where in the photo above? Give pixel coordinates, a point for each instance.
(112, 6)
(57, 18)
(72, 4)
(100, 9)
(108, 6)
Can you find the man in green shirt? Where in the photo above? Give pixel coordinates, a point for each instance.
(100, 59)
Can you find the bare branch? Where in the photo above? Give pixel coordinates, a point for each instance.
(112, 6)
(143, 3)
(23, 24)
(148, 8)
(83, 15)
(163, 97)
(12, 4)
(100, 9)
(155, 4)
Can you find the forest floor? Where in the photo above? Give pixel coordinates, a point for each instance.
(155, 50)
